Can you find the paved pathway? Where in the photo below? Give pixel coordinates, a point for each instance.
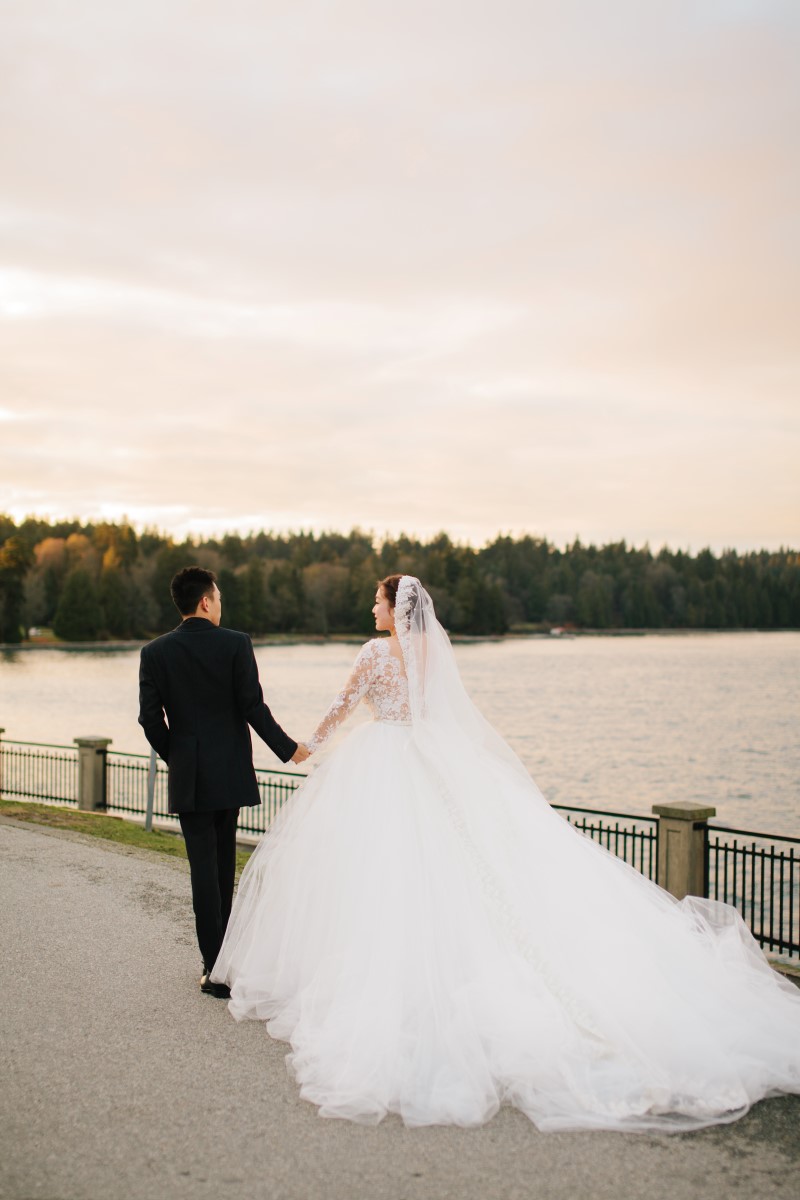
(120, 1081)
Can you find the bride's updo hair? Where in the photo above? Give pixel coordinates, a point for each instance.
(390, 585)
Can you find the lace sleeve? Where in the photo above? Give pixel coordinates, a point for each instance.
(348, 698)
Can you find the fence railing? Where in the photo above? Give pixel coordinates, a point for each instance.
(127, 791)
(634, 839)
(757, 873)
(39, 771)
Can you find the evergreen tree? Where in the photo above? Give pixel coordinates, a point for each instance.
(286, 596)
(79, 616)
(594, 605)
(257, 597)
(317, 583)
(236, 612)
(114, 600)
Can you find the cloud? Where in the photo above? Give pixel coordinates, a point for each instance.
(536, 269)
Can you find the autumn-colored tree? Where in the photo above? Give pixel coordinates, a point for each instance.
(318, 583)
(16, 558)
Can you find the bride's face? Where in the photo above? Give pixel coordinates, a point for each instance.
(382, 611)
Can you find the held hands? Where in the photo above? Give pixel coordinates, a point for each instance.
(301, 753)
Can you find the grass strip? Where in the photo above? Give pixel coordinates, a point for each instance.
(113, 829)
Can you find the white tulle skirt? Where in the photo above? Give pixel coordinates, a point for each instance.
(437, 959)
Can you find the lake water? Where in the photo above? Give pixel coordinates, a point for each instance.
(612, 722)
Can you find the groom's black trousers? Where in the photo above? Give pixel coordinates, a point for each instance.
(211, 848)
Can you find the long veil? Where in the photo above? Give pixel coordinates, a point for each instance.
(448, 728)
(541, 879)
(490, 801)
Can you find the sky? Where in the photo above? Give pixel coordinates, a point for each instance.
(494, 267)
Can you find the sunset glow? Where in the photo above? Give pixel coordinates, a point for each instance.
(509, 267)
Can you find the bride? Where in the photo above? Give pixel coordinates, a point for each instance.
(433, 940)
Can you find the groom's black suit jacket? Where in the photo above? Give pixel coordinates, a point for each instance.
(205, 680)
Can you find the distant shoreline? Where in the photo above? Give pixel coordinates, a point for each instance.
(355, 639)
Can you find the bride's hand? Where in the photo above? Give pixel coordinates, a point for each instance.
(301, 753)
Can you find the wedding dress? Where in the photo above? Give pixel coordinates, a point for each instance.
(434, 940)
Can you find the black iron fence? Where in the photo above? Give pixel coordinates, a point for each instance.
(276, 787)
(127, 784)
(757, 873)
(49, 773)
(634, 839)
(39, 771)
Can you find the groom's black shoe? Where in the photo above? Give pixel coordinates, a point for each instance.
(220, 990)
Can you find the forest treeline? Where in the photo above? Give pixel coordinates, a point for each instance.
(105, 580)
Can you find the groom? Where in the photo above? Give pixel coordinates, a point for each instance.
(205, 680)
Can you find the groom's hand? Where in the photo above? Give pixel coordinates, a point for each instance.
(301, 753)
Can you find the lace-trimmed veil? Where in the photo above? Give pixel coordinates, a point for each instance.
(444, 717)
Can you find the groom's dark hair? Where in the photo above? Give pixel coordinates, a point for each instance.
(189, 586)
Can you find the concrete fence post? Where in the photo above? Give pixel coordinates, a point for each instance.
(682, 847)
(2, 731)
(92, 772)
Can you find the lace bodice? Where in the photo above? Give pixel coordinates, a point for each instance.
(379, 680)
